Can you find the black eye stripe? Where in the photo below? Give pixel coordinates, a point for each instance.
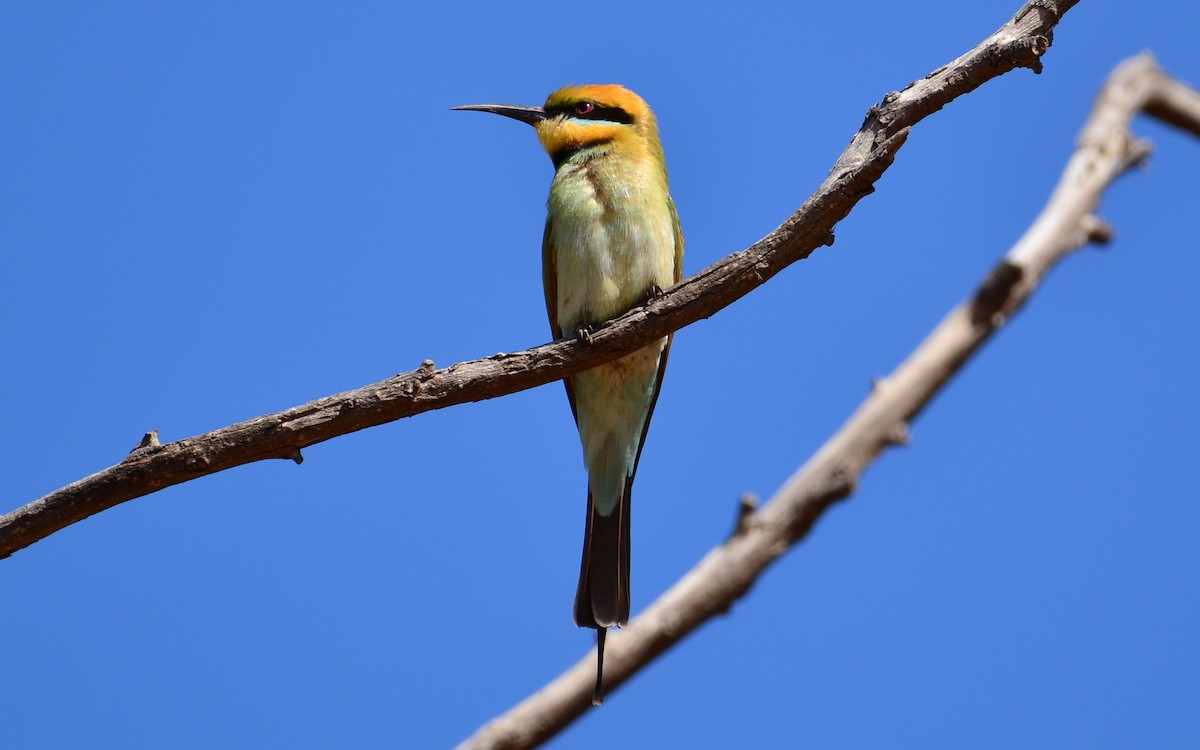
(599, 112)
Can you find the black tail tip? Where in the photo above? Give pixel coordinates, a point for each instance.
(598, 690)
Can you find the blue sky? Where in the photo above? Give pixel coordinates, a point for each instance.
(212, 211)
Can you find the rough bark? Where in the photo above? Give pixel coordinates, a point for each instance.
(1019, 43)
(1105, 150)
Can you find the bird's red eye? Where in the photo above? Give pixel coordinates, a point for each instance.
(583, 108)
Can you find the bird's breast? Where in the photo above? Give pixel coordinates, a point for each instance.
(614, 237)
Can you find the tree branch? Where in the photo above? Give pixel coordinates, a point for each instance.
(1105, 150)
(1019, 43)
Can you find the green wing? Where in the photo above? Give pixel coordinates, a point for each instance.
(662, 360)
(550, 287)
(678, 240)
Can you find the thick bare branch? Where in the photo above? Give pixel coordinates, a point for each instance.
(1019, 43)
(1105, 150)
(1173, 102)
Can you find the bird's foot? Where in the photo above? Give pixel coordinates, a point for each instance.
(584, 333)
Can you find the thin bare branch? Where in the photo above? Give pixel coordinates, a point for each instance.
(1019, 43)
(1105, 150)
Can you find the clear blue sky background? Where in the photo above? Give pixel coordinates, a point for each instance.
(211, 211)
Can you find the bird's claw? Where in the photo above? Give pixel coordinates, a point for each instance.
(584, 333)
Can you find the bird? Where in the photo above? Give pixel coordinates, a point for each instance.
(612, 241)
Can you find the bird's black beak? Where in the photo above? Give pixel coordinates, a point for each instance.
(529, 115)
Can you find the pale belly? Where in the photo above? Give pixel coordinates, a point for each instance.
(612, 403)
(608, 261)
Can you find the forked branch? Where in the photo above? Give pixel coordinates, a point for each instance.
(1106, 149)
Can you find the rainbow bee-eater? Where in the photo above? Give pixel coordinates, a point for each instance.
(612, 241)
